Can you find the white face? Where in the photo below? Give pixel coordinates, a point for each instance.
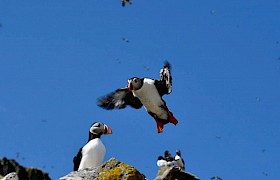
(136, 83)
(96, 128)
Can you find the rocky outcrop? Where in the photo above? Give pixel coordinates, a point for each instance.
(7, 166)
(112, 169)
(174, 173)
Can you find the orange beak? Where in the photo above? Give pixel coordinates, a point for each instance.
(107, 130)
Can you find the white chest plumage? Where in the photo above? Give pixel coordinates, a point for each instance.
(11, 176)
(150, 98)
(93, 154)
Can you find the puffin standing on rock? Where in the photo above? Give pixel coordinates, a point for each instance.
(147, 92)
(92, 154)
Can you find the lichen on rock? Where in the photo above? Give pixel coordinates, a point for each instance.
(110, 170)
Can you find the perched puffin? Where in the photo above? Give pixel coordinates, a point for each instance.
(147, 92)
(180, 163)
(92, 154)
(11, 176)
(163, 164)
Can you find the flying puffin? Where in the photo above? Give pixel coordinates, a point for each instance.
(147, 92)
(92, 154)
(124, 2)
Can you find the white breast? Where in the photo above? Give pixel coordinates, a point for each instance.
(179, 161)
(151, 99)
(93, 154)
(11, 176)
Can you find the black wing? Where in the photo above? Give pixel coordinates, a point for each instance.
(119, 99)
(77, 160)
(164, 85)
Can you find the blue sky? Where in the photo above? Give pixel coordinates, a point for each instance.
(58, 57)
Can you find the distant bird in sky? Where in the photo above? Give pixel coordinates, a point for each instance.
(92, 154)
(118, 61)
(147, 68)
(264, 173)
(124, 2)
(216, 178)
(213, 12)
(125, 40)
(147, 92)
(17, 154)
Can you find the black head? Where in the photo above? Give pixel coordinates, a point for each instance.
(160, 158)
(167, 153)
(178, 152)
(135, 83)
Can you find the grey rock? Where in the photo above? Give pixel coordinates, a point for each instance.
(112, 169)
(9, 165)
(175, 173)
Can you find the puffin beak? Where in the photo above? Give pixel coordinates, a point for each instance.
(107, 130)
(130, 87)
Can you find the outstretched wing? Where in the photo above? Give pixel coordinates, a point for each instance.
(119, 99)
(164, 85)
